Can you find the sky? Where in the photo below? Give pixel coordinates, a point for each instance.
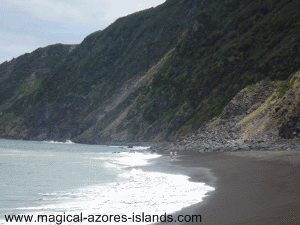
(26, 25)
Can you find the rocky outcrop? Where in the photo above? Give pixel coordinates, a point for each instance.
(256, 119)
(248, 100)
(7, 68)
(291, 128)
(56, 121)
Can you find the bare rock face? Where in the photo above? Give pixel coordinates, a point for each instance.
(291, 128)
(248, 100)
(56, 121)
(226, 134)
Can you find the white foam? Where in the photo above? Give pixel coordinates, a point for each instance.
(140, 147)
(125, 159)
(69, 142)
(132, 191)
(112, 146)
(134, 159)
(110, 165)
(58, 142)
(135, 191)
(131, 148)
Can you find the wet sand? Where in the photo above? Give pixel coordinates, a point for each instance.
(251, 187)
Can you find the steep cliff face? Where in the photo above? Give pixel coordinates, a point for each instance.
(226, 47)
(273, 110)
(264, 116)
(155, 75)
(23, 75)
(102, 71)
(19, 80)
(56, 121)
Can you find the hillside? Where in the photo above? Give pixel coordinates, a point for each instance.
(263, 116)
(154, 75)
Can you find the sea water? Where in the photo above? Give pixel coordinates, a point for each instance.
(55, 178)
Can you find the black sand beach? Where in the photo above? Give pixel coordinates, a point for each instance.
(252, 187)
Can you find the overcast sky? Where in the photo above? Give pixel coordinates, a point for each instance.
(26, 25)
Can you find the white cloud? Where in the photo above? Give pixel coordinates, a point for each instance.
(74, 12)
(89, 13)
(28, 24)
(123, 8)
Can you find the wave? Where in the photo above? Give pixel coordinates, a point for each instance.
(131, 147)
(135, 191)
(107, 183)
(58, 142)
(134, 159)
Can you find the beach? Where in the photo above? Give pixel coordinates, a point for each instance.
(252, 187)
(54, 179)
(242, 187)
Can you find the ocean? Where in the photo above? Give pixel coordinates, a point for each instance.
(65, 181)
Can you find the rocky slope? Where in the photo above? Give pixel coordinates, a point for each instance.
(19, 80)
(265, 116)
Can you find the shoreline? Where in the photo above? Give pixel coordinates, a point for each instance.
(251, 187)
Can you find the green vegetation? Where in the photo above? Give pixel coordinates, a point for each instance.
(21, 86)
(11, 117)
(135, 129)
(284, 87)
(229, 45)
(220, 48)
(109, 58)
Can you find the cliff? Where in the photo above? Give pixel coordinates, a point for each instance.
(160, 74)
(264, 116)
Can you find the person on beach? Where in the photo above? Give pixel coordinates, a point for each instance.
(171, 154)
(175, 154)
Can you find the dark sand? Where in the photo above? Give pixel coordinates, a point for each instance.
(251, 188)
